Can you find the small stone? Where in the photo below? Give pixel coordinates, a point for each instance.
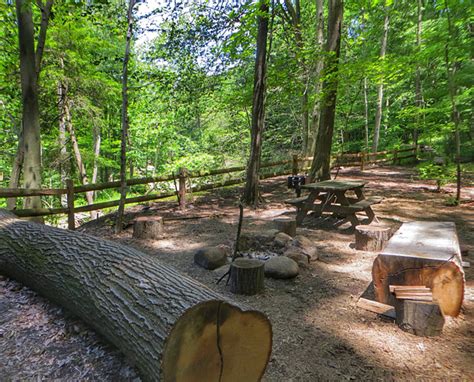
(281, 267)
(297, 255)
(281, 239)
(211, 257)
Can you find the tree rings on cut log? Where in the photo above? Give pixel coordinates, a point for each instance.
(286, 225)
(148, 227)
(205, 345)
(371, 237)
(421, 318)
(247, 276)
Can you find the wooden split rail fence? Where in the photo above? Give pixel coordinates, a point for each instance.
(180, 180)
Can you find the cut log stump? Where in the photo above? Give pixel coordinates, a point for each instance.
(148, 227)
(286, 225)
(421, 318)
(169, 325)
(246, 276)
(371, 237)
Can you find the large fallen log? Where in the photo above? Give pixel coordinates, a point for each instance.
(172, 327)
(422, 254)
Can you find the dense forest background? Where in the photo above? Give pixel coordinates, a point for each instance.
(405, 77)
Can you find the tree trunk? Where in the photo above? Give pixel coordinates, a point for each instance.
(123, 146)
(251, 194)
(63, 156)
(316, 113)
(378, 113)
(30, 112)
(320, 168)
(77, 154)
(418, 88)
(16, 170)
(172, 327)
(455, 116)
(366, 115)
(95, 168)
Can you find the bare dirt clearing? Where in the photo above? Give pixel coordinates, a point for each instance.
(319, 334)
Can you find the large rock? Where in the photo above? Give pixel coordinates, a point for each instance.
(256, 240)
(297, 255)
(211, 257)
(282, 239)
(281, 267)
(305, 246)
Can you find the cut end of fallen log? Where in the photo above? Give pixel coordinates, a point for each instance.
(215, 341)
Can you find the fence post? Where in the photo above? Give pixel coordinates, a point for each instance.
(71, 223)
(362, 159)
(294, 167)
(395, 156)
(182, 187)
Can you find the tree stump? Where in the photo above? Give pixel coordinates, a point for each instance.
(421, 318)
(286, 225)
(148, 227)
(371, 237)
(246, 276)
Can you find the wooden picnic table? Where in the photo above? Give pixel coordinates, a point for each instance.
(333, 197)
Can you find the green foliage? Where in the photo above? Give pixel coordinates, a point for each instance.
(442, 174)
(191, 82)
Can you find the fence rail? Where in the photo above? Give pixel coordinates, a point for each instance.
(182, 178)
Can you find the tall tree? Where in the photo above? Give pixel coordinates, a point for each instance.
(418, 87)
(452, 89)
(380, 87)
(316, 112)
(251, 193)
(320, 167)
(30, 65)
(125, 124)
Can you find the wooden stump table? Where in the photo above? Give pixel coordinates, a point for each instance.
(423, 254)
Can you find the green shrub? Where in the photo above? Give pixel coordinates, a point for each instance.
(442, 174)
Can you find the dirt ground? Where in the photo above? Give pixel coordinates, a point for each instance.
(319, 333)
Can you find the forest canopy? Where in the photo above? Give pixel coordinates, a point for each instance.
(404, 77)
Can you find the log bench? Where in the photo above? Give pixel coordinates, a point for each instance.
(423, 254)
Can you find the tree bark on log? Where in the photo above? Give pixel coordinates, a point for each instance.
(247, 276)
(172, 327)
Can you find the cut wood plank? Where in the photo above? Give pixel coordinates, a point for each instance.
(422, 253)
(376, 307)
(392, 288)
(415, 297)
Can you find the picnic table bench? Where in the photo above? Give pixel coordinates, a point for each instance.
(332, 197)
(422, 254)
